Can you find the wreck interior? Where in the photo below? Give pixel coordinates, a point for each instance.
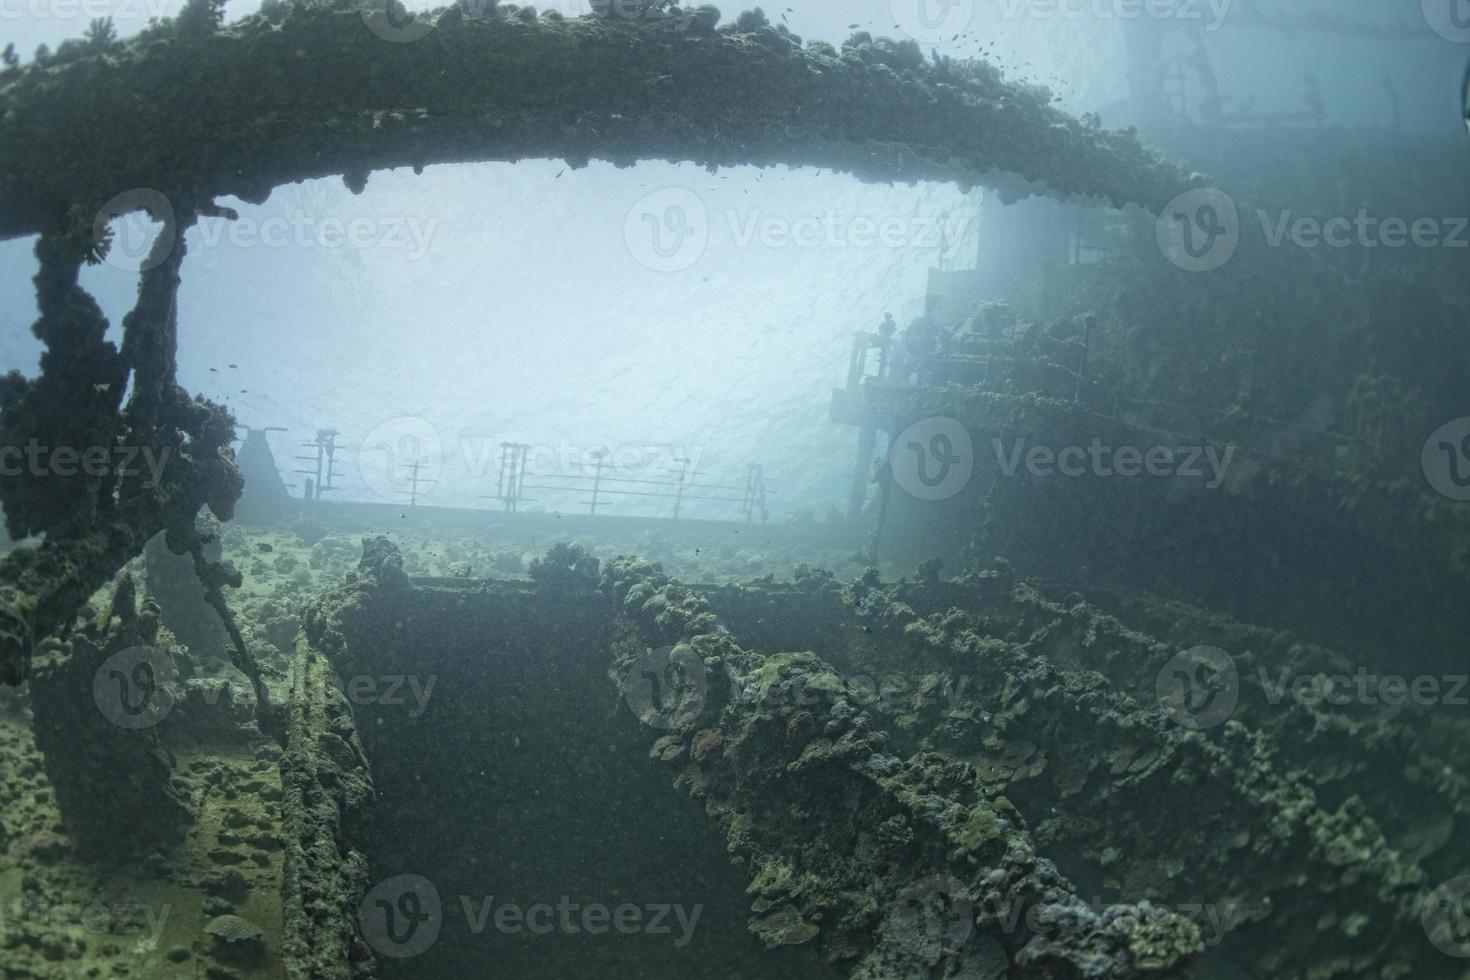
(548, 782)
(257, 736)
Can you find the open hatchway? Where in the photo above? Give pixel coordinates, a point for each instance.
(602, 771)
(952, 779)
(518, 826)
(526, 780)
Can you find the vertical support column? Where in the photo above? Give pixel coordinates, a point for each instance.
(327, 786)
(1082, 358)
(683, 462)
(601, 457)
(862, 474)
(313, 475)
(99, 701)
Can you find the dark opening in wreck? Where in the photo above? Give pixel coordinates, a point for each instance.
(499, 752)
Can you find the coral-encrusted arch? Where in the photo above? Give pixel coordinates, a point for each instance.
(304, 90)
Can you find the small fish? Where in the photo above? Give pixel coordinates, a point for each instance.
(235, 366)
(1465, 94)
(214, 370)
(264, 548)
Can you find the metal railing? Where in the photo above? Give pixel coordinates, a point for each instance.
(600, 485)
